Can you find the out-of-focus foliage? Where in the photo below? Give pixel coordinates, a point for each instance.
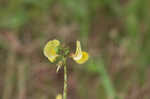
(116, 33)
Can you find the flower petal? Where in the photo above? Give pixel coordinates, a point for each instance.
(50, 50)
(83, 59)
(59, 96)
(78, 53)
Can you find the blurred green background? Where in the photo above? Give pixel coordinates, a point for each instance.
(116, 33)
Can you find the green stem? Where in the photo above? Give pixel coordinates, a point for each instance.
(65, 80)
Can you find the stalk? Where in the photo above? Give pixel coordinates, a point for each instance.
(65, 80)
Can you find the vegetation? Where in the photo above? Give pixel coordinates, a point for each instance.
(115, 33)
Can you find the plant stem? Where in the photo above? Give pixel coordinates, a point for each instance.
(65, 80)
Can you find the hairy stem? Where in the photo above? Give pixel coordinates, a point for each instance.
(65, 80)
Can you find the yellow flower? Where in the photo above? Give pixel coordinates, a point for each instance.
(50, 50)
(59, 96)
(80, 56)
